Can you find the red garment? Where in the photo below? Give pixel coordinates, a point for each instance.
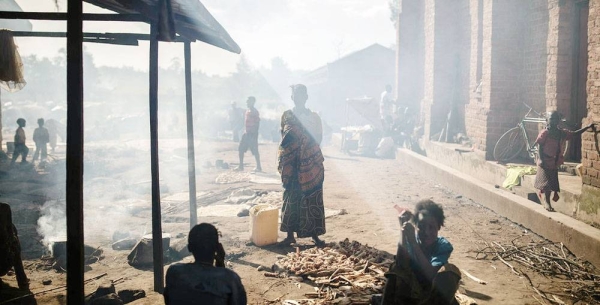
(552, 145)
(252, 119)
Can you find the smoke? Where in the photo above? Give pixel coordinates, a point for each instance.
(52, 225)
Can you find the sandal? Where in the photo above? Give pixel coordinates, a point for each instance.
(319, 243)
(286, 242)
(549, 209)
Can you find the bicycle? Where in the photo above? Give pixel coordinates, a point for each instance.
(512, 142)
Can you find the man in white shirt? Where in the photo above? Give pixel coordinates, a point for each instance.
(386, 106)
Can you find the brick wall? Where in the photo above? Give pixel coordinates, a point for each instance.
(590, 154)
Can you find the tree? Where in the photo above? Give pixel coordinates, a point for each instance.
(395, 10)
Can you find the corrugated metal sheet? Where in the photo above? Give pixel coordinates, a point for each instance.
(192, 20)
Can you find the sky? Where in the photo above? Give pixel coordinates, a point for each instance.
(306, 34)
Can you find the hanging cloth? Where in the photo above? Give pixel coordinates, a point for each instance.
(11, 66)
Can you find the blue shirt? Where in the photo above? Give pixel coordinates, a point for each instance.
(439, 256)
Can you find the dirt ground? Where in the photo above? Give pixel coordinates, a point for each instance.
(366, 188)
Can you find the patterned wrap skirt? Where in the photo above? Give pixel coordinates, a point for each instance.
(546, 180)
(302, 214)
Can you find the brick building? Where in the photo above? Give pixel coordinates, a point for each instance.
(469, 65)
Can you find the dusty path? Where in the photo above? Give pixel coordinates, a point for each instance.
(366, 188)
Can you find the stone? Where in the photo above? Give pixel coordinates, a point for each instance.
(243, 213)
(142, 253)
(105, 288)
(119, 235)
(60, 263)
(130, 295)
(109, 299)
(124, 244)
(179, 247)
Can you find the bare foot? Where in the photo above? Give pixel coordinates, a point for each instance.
(239, 169)
(556, 197)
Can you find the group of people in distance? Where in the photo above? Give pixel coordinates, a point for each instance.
(41, 137)
(420, 275)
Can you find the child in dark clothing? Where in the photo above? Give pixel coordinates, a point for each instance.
(421, 273)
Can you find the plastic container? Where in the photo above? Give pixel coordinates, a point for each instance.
(263, 224)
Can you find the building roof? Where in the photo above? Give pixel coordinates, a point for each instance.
(13, 25)
(320, 74)
(191, 19)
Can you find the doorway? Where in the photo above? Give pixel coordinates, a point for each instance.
(578, 105)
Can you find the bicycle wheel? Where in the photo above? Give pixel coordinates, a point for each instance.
(509, 145)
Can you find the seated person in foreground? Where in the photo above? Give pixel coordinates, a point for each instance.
(421, 273)
(205, 281)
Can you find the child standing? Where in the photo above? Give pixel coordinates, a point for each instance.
(551, 142)
(20, 148)
(41, 137)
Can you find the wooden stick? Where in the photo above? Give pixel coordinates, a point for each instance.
(51, 289)
(482, 282)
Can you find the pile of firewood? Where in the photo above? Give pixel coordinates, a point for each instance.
(580, 281)
(345, 272)
(232, 177)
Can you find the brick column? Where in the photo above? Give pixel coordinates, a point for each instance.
(442, 68)
(428, 68)
(410, 54)
(476, 111)
(559, 63)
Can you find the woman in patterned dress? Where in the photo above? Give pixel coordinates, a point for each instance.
(300, 163)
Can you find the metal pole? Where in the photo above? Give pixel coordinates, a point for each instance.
(156, 213)
(74, 187)
(190, 133)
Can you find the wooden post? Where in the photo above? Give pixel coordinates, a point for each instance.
(156, 211)
(190, 133)
(74, 187)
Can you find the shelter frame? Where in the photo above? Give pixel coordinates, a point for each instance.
(75, 137)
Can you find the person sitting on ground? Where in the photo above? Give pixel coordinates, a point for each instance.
(551, 143)
(421, 273)
(206, 280)
(41, 137)
(250, 137)
(20, 148)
